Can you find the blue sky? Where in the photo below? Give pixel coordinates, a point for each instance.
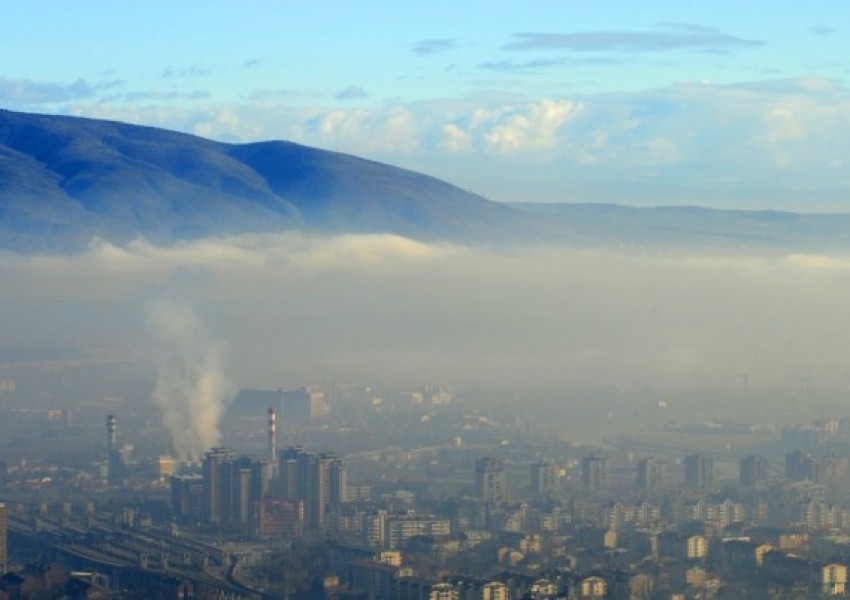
(723, 103)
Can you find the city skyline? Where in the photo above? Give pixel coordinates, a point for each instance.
(250, 371)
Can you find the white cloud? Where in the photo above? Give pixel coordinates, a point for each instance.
(455, 139)
(780, 143)
(141, 262)
(390, 130)
(661, 150)
(534, 128)
(368, 252)
(781, 124)
(220, 122)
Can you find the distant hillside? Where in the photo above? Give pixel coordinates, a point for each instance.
(65, 179)
(695, 227)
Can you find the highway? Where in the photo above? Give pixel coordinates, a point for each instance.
(130, 557)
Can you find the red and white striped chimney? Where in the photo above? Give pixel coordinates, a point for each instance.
(272, 436)
(111, 446)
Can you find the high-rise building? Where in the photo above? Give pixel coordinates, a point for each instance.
(318, 499)
(215, 491)
(650, 474)
(544, 478)
(375, 528)
(802, 466)
(232, 489)
(594, 472)
(753, 469)
(490, 480)
(699, 472)
(242, 497)
(337, 480)
(288, 472)
(317, 480)
(187, 492)
(4, 551)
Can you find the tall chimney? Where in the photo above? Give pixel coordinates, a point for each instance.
(111, 451)
(272, 436)
(110, 435)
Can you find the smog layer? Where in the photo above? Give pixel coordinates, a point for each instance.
(300, 308)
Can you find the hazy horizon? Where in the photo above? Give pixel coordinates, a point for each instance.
(709, 105)
(298, 308)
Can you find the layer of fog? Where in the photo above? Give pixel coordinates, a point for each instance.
(294, 309)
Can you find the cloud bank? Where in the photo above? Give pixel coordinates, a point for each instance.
(297, 309)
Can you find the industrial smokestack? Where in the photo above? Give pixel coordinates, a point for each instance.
(272, 436)
(114, 472)
(110, 436)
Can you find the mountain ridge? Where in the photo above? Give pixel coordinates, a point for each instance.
(66, 180)
(696, 226)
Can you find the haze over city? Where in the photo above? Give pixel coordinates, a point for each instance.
(715, 105)
(458, 302)
(377, 307)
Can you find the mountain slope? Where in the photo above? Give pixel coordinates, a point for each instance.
(65, 179)
(335, 192)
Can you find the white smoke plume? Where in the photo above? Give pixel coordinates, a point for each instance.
(191, 388)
